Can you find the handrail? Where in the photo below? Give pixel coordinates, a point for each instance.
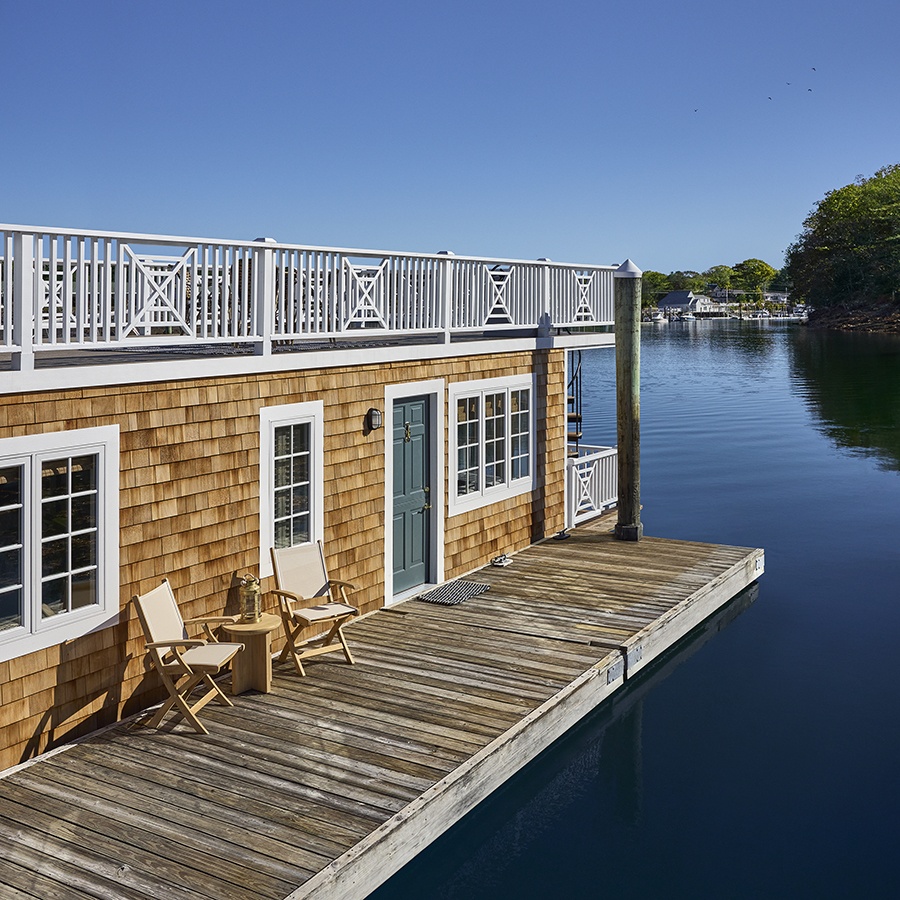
(153, 239)
(61, 287)
(591, 483)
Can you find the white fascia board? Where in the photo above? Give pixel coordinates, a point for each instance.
(584, 341)
(181, 369)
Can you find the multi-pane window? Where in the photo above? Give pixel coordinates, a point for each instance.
(520, 433)
(69, 532)
(291, 477)
(12, 547)
(493, 441)
(57, 561)
(291, 484)
(468, 445)
(58, 536)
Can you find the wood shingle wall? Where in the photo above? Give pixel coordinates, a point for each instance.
(189, 510)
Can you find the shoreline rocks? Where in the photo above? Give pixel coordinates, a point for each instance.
(882, 318)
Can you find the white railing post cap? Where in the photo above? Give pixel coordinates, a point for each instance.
(445, 253)
(627, 270)
(265, 240)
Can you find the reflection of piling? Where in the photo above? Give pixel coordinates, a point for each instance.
(622, 751)
(628, 399)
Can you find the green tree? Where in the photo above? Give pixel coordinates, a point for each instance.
(849, 250)
(686, 280)
(654, 286)
(753, 275)
(721, 276)
(781, 281)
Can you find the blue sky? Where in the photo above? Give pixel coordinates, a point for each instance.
(579, 131)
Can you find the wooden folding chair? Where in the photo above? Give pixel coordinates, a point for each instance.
(182, 662)
(302, 580)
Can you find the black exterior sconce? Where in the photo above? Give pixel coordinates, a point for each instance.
(374, 419)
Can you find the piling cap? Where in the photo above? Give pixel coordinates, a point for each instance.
(628, 270)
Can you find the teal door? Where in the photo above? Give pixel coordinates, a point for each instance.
(412, 493)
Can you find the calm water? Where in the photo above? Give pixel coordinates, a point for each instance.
(761, 759)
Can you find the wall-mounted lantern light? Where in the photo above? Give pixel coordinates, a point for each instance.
(374, 419)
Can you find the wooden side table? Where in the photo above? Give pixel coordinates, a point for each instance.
(251, 669)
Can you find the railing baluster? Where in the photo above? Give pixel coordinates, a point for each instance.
(24, 302)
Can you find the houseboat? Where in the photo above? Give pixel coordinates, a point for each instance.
(175, 407)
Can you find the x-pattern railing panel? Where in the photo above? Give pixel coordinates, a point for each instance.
(592, 483)
(160, 296)
(365, 296)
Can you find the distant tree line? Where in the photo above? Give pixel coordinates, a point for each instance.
(848, 253)
(752, 276)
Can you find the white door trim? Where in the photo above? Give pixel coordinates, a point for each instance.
(435, 391)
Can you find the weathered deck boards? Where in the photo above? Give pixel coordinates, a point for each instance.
(329, 784)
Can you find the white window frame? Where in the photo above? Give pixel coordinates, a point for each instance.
(270, 417)
(37, 632)
(485, 496)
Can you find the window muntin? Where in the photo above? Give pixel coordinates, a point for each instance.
(493, 441)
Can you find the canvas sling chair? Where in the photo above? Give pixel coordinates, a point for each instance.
(183, 663)
(308, 599)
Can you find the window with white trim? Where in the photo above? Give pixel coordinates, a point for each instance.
(291, 494)
(290, 477)
(493, 441)
(58, 537)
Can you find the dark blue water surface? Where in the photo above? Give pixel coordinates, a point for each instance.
(762, 758)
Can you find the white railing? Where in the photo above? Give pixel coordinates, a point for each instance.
(61, 288)
(592, 483)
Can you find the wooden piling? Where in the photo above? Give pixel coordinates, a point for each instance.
(628, 399)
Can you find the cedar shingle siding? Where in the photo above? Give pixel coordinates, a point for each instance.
(189, 509)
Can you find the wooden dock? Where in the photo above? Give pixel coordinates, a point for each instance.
(328, 785)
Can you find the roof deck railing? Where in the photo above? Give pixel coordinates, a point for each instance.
(68, 289)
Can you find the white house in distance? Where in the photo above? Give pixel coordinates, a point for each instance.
(688, 301)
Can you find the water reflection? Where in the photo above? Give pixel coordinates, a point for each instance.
(851, 382)
(565, 805)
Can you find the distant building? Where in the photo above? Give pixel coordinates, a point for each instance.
(688, 301)
(739, 296)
